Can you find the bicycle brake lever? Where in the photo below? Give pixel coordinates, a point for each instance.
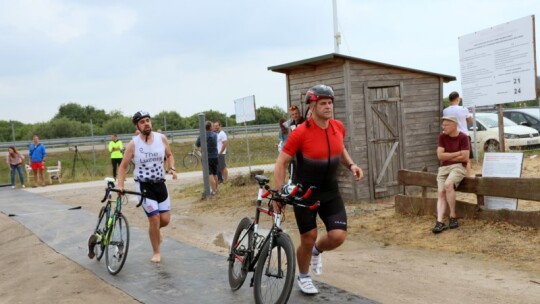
(107, 192)
(143, 197)
(315, 206)
(308, 192)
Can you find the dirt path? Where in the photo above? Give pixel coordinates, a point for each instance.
(364, 265)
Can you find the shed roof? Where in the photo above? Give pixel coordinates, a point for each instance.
(328, 58)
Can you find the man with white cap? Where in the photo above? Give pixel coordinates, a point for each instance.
(453, 154)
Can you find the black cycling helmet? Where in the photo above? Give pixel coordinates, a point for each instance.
(319, 91)
(139, 115)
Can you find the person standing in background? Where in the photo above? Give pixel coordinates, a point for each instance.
(37, 154)
(222, 151)
(464, 117)
(283, 133)
(15, 161)
(115, 148)
(296, 118)
(212, 151)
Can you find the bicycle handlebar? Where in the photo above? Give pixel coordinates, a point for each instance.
(108, 191)
(291, 198)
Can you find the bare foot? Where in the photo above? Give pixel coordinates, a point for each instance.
(156, 258)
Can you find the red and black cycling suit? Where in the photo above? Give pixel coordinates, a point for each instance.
(318, 155)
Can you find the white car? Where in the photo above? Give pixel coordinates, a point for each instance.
(516, 137)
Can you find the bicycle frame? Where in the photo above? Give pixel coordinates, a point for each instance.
(110, 218)
(256, 242)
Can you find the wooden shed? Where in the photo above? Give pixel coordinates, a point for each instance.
(391, 114)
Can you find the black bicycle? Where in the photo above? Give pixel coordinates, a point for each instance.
(270, 257)
(111, 235)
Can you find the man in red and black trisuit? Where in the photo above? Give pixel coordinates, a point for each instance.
(318, 147)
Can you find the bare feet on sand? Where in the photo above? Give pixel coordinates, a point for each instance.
(156, 258)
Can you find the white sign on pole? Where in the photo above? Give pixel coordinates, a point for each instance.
(245, 109)
(501, 165)
(498, 64)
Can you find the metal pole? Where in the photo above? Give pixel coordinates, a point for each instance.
(249, 153)
(13, 132)
(204, 150)
(93, 146)
(337, 35)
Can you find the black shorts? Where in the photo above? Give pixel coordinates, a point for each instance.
(331, 211)
(212, 166)
(156, 191)
(221, 162)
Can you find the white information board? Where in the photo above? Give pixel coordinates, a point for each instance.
(498, 65)
(501, 165)
(245, 109)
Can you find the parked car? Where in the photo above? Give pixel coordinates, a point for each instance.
(529, 117)
(516, 137)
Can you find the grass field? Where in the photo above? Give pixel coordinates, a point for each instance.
(262, 149)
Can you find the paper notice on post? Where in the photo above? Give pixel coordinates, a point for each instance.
(501, 165)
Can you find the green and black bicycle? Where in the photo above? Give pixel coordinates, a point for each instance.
(111, 235)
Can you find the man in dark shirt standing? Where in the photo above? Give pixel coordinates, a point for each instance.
(211, 146)
(453, 153)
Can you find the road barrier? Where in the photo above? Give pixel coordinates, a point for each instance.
(172, 135)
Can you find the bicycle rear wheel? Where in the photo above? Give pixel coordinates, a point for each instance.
(117, 248)
(190, 161)
(274, 275)
(240, 254)
(100, 234)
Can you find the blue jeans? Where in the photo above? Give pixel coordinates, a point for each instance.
(21, 176)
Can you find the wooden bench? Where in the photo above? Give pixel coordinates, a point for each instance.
(520, 188)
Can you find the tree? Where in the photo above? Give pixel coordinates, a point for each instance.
(267, 115)
(79, 113)
(119, 125)
(168, 121)
(60, 128)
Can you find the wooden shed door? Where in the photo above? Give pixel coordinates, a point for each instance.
(384, 134)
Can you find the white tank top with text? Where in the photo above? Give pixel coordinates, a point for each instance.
(149, 159)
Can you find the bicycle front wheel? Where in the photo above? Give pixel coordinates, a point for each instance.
(274, 275)
(100, 231)
(190, 161)
(117, 248)
(240, 255)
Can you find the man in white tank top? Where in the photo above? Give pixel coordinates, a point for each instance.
(149, 150)
(464, 117)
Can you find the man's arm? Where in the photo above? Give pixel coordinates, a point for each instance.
(124, 165)
(347, 161)
(280, 168)
(223, 147)
(170, 157)
(459, 156)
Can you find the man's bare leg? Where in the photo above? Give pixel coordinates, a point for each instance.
(153, 232)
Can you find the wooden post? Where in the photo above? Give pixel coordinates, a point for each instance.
(424, 189)
(501, 128)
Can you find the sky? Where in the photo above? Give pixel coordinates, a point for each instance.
(194, 56)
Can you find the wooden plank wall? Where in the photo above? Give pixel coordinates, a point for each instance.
(420, 105)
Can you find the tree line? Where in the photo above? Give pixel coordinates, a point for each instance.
(75, 120)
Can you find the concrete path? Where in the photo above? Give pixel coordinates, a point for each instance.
(187, 274)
